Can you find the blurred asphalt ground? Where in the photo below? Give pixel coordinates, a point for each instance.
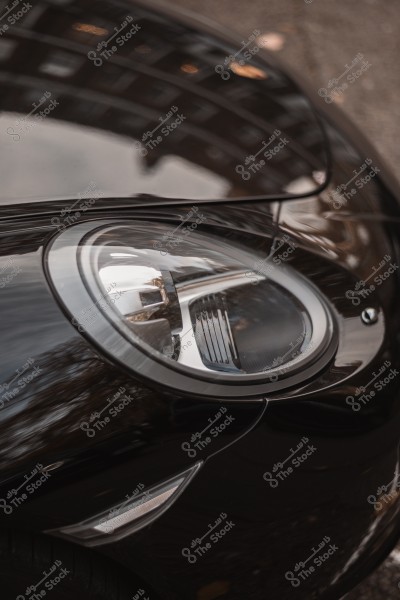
(317, 39)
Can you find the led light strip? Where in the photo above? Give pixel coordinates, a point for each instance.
(126, 518)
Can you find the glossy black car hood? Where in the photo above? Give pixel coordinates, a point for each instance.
(113, 100)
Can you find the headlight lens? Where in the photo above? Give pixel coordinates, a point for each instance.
(199, 313)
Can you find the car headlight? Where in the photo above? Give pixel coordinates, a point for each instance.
(197, 314)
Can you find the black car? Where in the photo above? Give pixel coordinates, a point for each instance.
(199, 300)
